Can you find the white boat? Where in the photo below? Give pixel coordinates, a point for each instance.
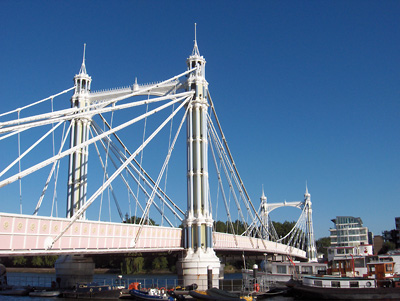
(44, 293)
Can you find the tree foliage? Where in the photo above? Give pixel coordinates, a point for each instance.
(160, 263)
(283, 228)
(322, 245)
(136, 220)
(237, 227)
(387, 246)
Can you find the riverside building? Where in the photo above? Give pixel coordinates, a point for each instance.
(348, 232)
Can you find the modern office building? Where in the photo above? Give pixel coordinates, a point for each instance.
(348, 232)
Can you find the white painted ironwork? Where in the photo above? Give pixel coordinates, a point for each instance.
(187, 90)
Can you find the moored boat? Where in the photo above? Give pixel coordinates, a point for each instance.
(15, 291)
(151, 294)
(44, 293)
(378, 284)
(93, 291)
(217, 294)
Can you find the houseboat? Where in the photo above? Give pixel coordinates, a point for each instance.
(277, 273)
(379, 283)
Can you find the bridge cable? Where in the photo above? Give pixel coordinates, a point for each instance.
(150, 201)
(229, 174)
(141, 186)
(37, 102)
(19, 169)
(142, 170)
(166, 169)
(229, 221)
(74, 113)
(97, 129)
(50, 174)
(118, 155)
(81, 145)
(142, 152)
(113, 176)
(104, 166)
(230, 155)
(56, 176)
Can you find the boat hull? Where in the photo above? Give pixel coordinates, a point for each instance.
(42, 294)
(103, 294)
(144, 296)
(316, 293)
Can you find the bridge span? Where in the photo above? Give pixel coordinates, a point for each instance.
(118, 126)
(34, 235)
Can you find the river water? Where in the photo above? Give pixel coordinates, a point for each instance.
(44, 280)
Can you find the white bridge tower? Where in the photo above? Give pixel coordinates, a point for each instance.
(197, 232)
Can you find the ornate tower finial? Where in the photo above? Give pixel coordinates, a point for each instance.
(263, 197)
(82, 80)
(195, 51)
(83, 67)
(195, 33)
(306, 194)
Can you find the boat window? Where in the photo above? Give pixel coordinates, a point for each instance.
(306, 270)
(281, 269)
(359, 263)
(340, 251)
(389, 268)
(353, 283)
(335, 283)
(320, 270)
(372, 268)
(318, 283)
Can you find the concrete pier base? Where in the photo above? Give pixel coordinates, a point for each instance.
(193, 268)
(71, 269)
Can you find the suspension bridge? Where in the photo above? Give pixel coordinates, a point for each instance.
(133, 194)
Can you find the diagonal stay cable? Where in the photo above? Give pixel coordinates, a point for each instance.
(142, 170)
(121, 157)
(151, 200)
(82, 145)
(121, 175)
(115, 174)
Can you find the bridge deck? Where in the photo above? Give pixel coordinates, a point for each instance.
(32, 235)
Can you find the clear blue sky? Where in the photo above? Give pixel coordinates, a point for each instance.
(307, 91)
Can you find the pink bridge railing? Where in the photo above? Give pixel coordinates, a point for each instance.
(25, 234)
(33, 235)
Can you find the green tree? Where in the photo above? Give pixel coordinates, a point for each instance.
(322, 245)
(19, 261)
(138, 264)
(283, 228)
(220, 226)
(136, 220)
(387, 246)
(37, 261)
(49, 260)
(127, 266)
(160, 263)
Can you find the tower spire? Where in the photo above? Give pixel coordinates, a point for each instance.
(263, 197)
(195, 51)
(83, 67)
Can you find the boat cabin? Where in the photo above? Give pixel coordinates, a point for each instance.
(338, 282)
(380, 270)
